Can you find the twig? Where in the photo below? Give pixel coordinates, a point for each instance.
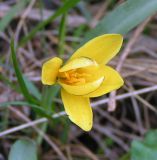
(136, 110)
(30, 124)
(120, 133)
(23, 17)
(127, 95)
(42, 120)
(34, 15)
(138, 31)
(109, 134)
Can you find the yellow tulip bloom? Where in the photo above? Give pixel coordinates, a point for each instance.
(85, 75)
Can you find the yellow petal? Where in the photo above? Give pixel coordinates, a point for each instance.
(77, 63)
(92, 73)
(101, 49)
(79, 110)
(83, 88)
(112, 81)
(50, 70)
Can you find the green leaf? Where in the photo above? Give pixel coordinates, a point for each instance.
(32, 88)
(19, 75)
(12, 13)
(37, 108)
(124, 18)
(23, 149)
(62, 34)
(67, 5)
(146, 149)
(48, 95)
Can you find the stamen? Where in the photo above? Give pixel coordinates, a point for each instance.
(72, 77)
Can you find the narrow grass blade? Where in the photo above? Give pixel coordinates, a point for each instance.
(67, 5)
(124, 18)
(32, 88)
(62, 34)
(37, 108)
(49, 92)
(19, 76)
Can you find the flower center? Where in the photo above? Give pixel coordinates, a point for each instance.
(73, 77)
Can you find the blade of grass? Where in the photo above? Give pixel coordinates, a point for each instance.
(67, 5)
(124, 18)
(32, 88)
(4, 120)
(62, 34)
(21, 81)
(21, 103)
(78, 32)
(48, 94)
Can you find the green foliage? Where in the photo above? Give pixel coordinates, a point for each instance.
(145, 149)
(67, 5)
(78, 32)
(62, 34)
(66, 125)
(21, 81)
(23, 149)
(124, 18)
(32, 88)
(37, 108)
(48, 95)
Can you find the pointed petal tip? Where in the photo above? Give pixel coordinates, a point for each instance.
(101, 49)
(87, 129)
(121, 81)
(113, 81)
(78, 109)
(118, 37)
(87, 126)
(116, 34)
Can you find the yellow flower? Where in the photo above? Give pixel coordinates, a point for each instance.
(85, 75)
